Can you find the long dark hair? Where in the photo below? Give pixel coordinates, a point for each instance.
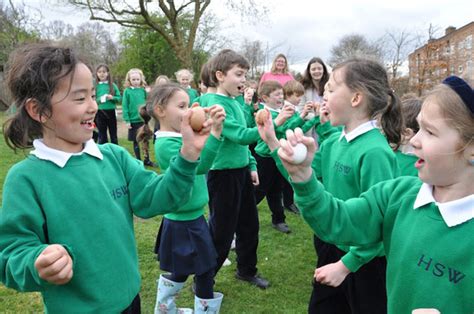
(34, 71)
(307, 80)
(371, 79)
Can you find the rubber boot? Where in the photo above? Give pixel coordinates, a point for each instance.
(208, 306)
(165, 297)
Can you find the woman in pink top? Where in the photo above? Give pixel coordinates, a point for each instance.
(279, 71)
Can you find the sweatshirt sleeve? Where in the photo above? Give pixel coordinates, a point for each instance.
(152, 194)
(357, 221)
(23, 233)
(116, 98)
(125, 107)
(238, 133)
(361, 255)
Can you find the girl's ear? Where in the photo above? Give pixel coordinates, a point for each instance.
(33, 109)
(220, 75)
(356, 99)
(159, 112)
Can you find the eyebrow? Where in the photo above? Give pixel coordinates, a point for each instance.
(425, 123)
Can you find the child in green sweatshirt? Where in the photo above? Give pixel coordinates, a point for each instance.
(425, 222)
(66, 223)
(184, 243)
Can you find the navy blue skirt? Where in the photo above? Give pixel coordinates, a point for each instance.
(186, 247)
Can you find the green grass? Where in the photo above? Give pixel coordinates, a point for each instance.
(286, 260)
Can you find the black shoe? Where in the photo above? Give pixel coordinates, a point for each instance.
(292, 208)
(256, 280)
(282, 227)
(148, 162)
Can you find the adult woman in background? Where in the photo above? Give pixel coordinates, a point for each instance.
(314, 78)
(279, 71)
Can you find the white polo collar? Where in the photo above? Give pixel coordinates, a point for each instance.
(271, 109)
(358, 131)
(167, 134)
(454, 212)
(104, 82)
(60, 158)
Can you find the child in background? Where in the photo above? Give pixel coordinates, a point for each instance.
(107, 97)
(352, 279)
(134, 97)
(162, 79)
(233, 174)
(406, 158)
(144, 136)
(66, 222)
(425, 223)
(184, 243)
(184, 77)
(209, 83)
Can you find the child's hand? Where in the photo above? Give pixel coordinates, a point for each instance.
(254, 177)
(267, 133)
(323, 113)
(193, 141)
(308, 107)
(129, 125)
(54, 265)
(300, 172)
(217, 114)
(331, 274)
(109, 97)
(286, 111)
(425, 311)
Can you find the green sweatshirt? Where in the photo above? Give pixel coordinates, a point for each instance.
(103, 89)
(168, 145)
(248, 111)
(406, 164)
(234, 152)
(193, 94)
(293, 122)
(429, 265)
(133, 99)
(87, 207)
(348, 169)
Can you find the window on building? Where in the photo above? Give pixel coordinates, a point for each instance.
(452, 70)
(460, 69)
(468, 42)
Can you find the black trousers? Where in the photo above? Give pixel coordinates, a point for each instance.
(233, 210)
(271, 183)
(134, 307)
(288, 193)
(106, 119)
(361, 292)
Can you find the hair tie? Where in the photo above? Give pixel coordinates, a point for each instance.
(460, 87)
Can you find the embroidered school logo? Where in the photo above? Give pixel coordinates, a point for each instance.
(119, 192)
(342, 168)
(440, 270)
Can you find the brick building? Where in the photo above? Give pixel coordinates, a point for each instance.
(451, 54)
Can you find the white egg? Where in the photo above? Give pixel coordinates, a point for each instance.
(299, 153)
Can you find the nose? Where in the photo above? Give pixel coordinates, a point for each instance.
(92, 106)
(414, 141)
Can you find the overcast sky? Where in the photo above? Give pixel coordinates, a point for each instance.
(306, 28)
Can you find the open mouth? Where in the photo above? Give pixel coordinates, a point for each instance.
(88, 124)
(419, 163)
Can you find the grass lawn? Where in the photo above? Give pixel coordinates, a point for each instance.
(286, 260)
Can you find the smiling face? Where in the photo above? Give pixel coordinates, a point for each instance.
(184, 79)
(172, 114)
(316, 71)
(280, 64)
(439, 149)
(231, 83)
(73, 111)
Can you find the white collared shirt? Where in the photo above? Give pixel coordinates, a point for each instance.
(358, 131)
(271, 109)
(167, 134)
(104, 82)
(59, 157)
(454, 212)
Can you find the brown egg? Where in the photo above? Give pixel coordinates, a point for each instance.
(197, 118)
(261, 116)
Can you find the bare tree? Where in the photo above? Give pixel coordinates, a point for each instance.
(354, 46)
(167, 17)
(397, 44)
(254, 53)
(57, 31)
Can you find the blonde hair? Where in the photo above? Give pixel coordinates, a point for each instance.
(454, 110)
(268, 87)
(285, 69)
(162, 77)
(127, 82)
(182, 71)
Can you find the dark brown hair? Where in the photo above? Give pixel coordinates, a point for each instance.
(160, 95)
(293, 87)
(109, 78)
(268, 87)
(224, 61)
(307, 80)
(34, 72)
(370, 78)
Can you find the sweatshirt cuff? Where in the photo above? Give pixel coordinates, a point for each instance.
(185, 166)
(351, 262)
(307, 188)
